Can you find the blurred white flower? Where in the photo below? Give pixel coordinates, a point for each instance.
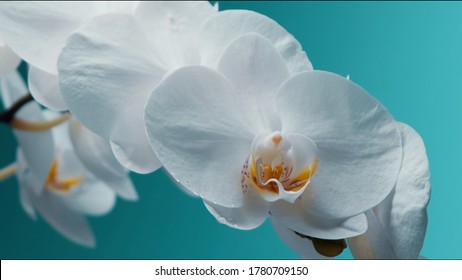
(312, 150)
(61, 183)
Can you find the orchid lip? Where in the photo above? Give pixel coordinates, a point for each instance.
(276, 167)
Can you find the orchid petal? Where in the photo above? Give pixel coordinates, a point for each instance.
(253, 213)
(60, 132)
(407, 218)
(37, 31)
(107, 95)
(256, 69)
(200, 134)
(253, 65)
(44, 88)
(295, 217)
(173, 27)
(24, 180)
(92, 197)
(88, 147)
(302, 246)
(26, 202)
(38, 147)
(359, 146)
(9, 61)
(402, 217)
(104, 7)
(140, 159)
(66, 221)
(221, 29)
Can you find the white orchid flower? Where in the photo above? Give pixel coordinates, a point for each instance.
(397, 226)
(313, 150)
(37, 31)
(67, 190)
(8, 59)
(112, 64)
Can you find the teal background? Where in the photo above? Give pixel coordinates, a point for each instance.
(406, 54)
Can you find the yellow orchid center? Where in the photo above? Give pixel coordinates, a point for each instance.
(279, 173)
(278, 168)
(53, 183)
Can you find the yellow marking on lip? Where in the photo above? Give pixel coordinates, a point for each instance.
(52, 174)
(253, 169)
(275, 173)
(303, 177)
(64, 185)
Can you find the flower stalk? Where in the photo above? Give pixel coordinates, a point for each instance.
(8, 171)
(9, 117)
(9, 114)
(24, 125)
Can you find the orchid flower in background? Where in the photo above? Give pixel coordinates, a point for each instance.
(313, 151)
(39, 31)
(68, 190)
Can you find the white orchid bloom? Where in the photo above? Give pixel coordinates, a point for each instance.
(9, 61)
(397, 226)
(67, 190)
(112, 64)
(37, 32)
(313, 150)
